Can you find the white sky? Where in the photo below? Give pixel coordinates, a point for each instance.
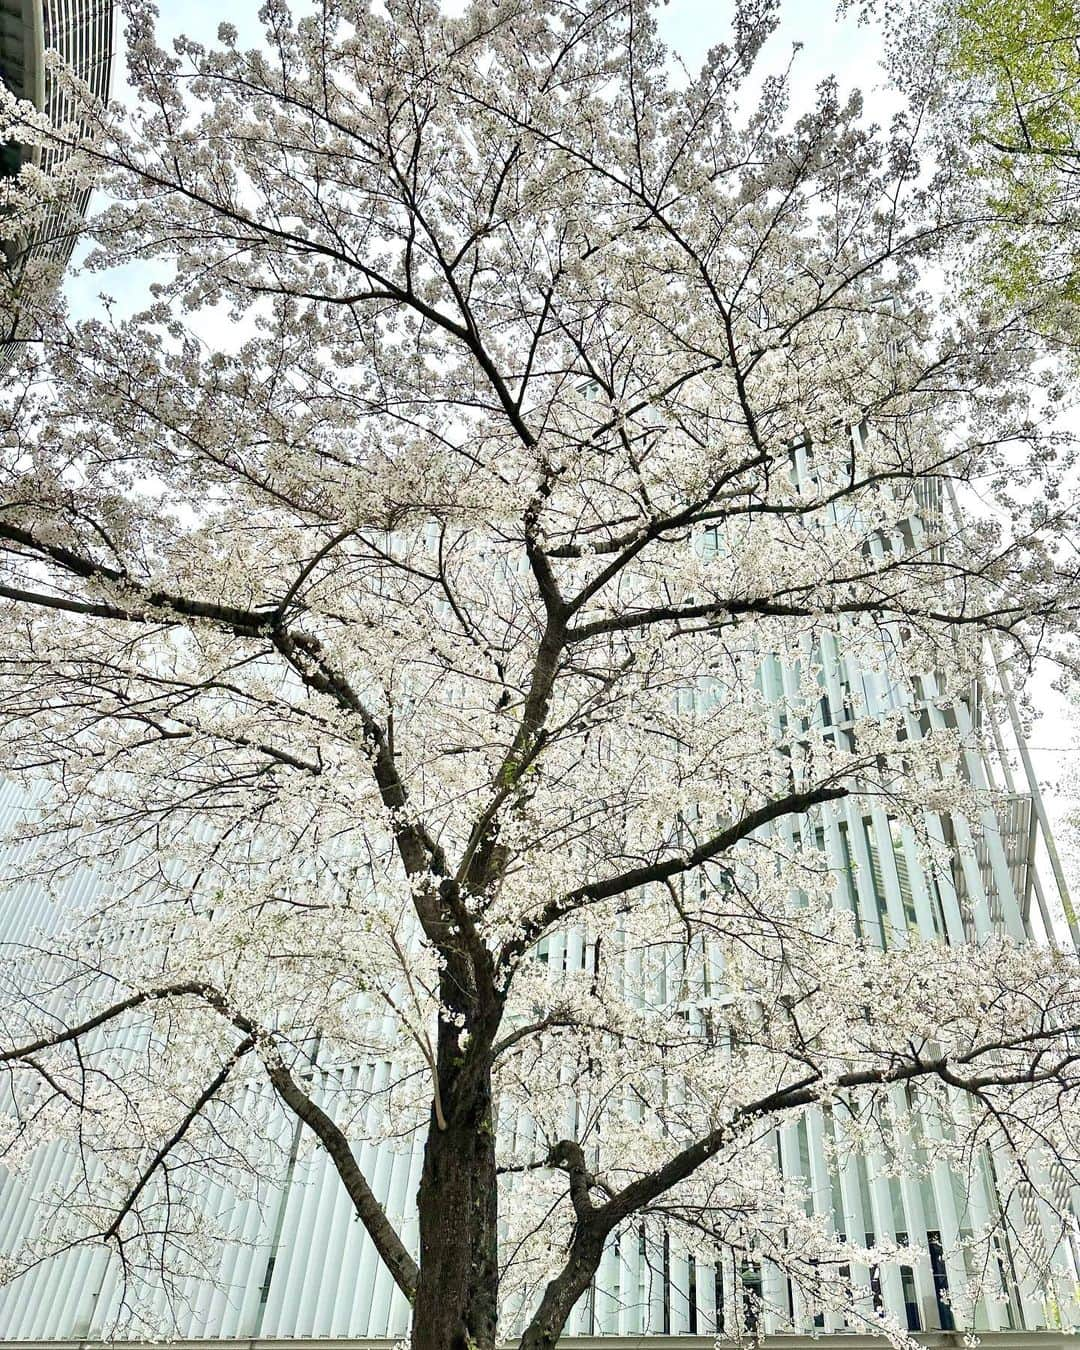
(842, 48)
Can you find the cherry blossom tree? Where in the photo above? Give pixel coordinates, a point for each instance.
(445, 563)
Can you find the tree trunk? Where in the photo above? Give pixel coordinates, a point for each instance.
(457, 1293)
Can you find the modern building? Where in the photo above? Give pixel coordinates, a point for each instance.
(81, 33)
(296, 1268)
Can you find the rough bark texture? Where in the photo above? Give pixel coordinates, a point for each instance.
(563, 1292)
(457, 1293)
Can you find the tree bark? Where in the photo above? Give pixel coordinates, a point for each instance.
(546, 1324)
(457, 1293)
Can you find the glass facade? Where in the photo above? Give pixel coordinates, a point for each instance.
(81, 32)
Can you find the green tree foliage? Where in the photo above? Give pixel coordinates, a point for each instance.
(1019, 65)
(998, 81)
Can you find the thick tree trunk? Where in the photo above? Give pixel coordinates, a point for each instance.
(457, 1293)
